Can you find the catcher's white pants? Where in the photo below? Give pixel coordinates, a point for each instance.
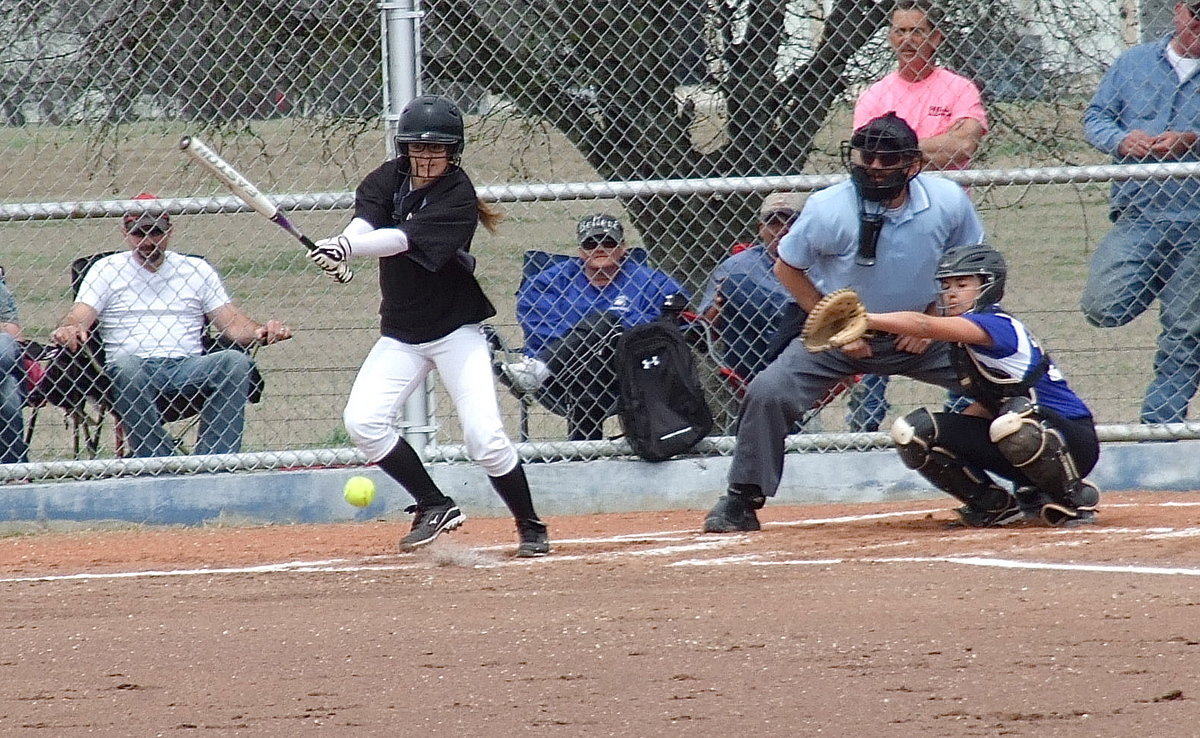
(393, 370)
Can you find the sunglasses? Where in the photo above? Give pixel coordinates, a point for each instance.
(888, 160)
(147, 232)
(427, 148)
(779, 217)
(592, 244)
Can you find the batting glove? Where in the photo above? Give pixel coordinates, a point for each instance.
(331, 254)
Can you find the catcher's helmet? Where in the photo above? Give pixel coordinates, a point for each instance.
(431, 119)
(892, 144)
(976, 260)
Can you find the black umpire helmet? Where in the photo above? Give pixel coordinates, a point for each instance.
(431, 119)
(976, 260)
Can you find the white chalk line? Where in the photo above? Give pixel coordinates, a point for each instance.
(756, 560)
(682, 541)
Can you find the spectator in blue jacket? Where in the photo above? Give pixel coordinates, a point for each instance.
(1147, 109)
(571, 315)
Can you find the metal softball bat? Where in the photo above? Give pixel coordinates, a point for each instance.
(245, 191)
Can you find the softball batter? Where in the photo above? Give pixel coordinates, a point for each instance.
(417, 214)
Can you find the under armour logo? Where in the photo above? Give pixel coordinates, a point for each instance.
(651, 362)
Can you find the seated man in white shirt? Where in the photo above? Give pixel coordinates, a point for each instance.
(150, 306)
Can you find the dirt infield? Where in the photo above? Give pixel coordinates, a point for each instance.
(842, 621)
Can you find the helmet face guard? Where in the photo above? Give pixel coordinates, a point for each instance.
(880, 157)
(884, 181)
(977, 260)
(431, 119)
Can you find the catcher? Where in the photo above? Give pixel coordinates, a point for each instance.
(1025, 425)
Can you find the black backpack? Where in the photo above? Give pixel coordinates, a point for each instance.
(662, 409)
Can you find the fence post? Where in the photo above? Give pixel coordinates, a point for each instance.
(401, 50)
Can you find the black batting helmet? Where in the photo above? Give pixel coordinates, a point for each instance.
(431, 119)
(976, 260)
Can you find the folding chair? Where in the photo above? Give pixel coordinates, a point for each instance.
(76, 383)
(746, 336)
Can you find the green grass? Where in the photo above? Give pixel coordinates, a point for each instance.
(1047, 232)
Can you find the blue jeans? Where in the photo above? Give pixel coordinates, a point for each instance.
(13, 449)
(223, 377)
(868, 404)
(1140, 260)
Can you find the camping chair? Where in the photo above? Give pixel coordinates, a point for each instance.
(76, 383)
(534, 263)
(744, 338)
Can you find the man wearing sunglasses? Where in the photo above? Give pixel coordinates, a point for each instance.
(881, 234)
(571, 314)
(744, 298)
(150, 305)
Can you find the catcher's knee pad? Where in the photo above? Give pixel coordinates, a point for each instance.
(1039, 451)
(915, 435)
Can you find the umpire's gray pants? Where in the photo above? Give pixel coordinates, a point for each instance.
(780, 394)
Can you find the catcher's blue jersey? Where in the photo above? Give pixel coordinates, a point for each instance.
(1014, 355)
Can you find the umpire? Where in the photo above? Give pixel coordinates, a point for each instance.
(881, 234)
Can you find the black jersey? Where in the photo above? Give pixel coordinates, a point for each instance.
(430, 290)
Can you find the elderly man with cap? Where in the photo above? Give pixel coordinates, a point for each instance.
(757, 315)
(880, 233)
(150, 306)
(571, 314)
(744, 298)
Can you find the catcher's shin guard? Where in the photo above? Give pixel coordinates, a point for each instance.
(1041, 454)
(915, 435)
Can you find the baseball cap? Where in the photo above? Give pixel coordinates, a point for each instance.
(781, 202)
(887, 134)
(600, 226)
(146, 221)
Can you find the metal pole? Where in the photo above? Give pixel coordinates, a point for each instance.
(402, 82)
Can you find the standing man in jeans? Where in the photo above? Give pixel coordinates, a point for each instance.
(1147, 109)
(13, 449)
(150, 305)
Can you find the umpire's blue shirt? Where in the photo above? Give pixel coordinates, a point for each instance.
(937, 215)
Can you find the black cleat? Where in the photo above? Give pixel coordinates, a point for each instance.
(1065, 516)
(975, 518)
(1032, 500)
(1078, 509)
(731, 514)
(535, 541)
(430, 523)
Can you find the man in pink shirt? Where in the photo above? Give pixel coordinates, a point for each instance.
(942, 107)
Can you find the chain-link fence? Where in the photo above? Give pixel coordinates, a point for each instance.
(706, 98)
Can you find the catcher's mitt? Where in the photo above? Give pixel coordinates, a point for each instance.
(839, 318)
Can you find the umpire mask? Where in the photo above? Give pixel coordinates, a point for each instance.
(879, 156)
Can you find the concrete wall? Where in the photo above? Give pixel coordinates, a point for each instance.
(565, 488)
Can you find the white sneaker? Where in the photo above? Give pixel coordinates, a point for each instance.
(526, 375)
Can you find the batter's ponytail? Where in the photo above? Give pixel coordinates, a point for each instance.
(489, 215)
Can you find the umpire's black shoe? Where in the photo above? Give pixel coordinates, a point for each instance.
(430, 523)
(535, 541)
(731, 514)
